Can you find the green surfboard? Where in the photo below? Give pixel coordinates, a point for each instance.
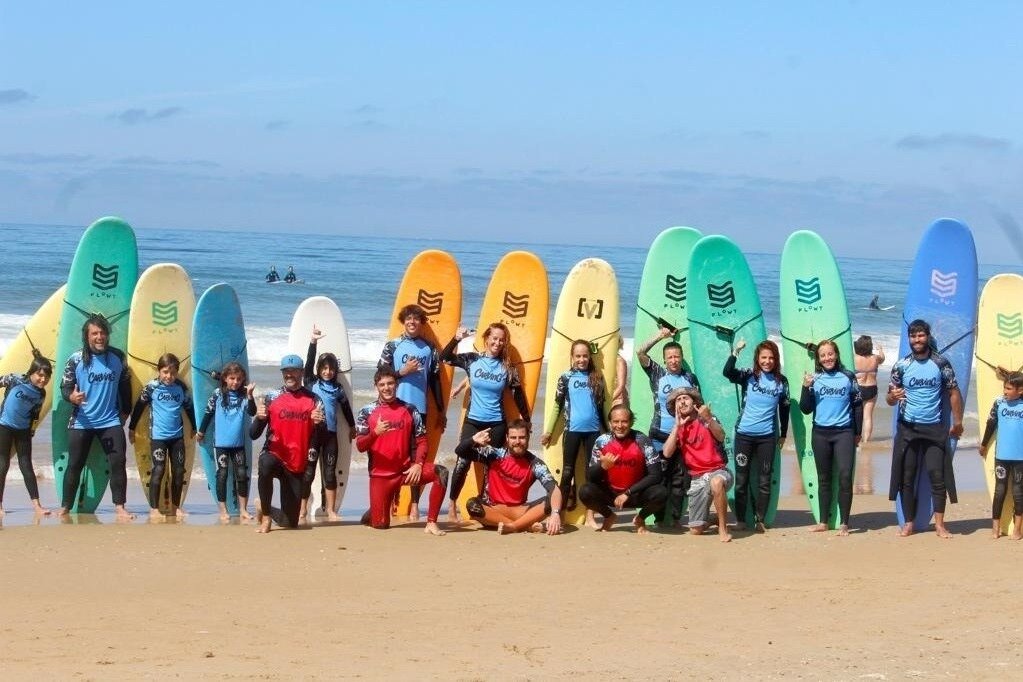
(813, 308)
(723, 307)
(102, 279)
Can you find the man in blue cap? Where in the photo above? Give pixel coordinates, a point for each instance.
(289, 416)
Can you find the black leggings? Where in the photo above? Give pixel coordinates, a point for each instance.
(79, 441)
(599, 497)
(470, 428)
(572, 441)
(21, 439)
(831, 447)
(241, 472)
(159, 450)
(753, 453)
(932, 453)
(326, 455)
(1011, 473)
(291, 489)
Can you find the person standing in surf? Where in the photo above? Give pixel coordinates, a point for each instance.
(19, 416)
(417, 364)
(761, 428)
(167, 397)
(580, 395)
(490, 374)
(832, 395)
(96, 383)
(663, 380)
(624, 471)
(920, 384)
(1006, 418)
(699, 438)
(321, 377)
(868, 360)
(393, 434)
(289, 415)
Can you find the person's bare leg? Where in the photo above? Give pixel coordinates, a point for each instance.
(330, 496)
(940, 528)
(717, 488)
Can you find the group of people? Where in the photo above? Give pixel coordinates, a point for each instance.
(289, 277)
(679, 461)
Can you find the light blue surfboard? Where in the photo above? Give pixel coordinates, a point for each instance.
(942, 292)
(218, 337)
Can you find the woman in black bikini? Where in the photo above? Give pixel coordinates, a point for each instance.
(867, 362)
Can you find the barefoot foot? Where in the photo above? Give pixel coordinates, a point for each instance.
(843, 530)
(906, 530)
(609, 522)
(640, 524)
(433, 529)
(819, 528)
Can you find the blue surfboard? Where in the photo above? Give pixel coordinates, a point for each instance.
(942, 292)
(218, 337)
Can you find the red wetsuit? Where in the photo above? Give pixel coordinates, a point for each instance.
(633, 457)
(290, 427)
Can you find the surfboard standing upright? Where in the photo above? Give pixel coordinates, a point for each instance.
(101, 281)
(942, 292)
(588, 309)
(38, 336)
(813, 308)
(999, 347)
(326, 315)
(218, 337)
(724, 306)
(432, 281)
(160, 322)
(518, 296)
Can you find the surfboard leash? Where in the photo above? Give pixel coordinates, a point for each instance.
(968, 333)
(1001, 372)
(728, 331)
(810, 346)
(112, 319)
(594, 346)
(675, 329)
(36, 353)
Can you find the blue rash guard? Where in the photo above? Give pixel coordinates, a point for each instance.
(488, 377)
(227, 410)
(106, 385)
(1006, 418)
(413, 388)
(579, 401)
(924, 382)
(166, 402)
(834, 399)
(22, 402)
(764, 397)
(662, 383)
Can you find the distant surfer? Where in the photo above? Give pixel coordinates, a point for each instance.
(393, 434)
(272, 276)
(19, 416)
(96, 383)
(289, 415)
(1006, 419)
(624, 471)
(874, 303)
(289, 276)
(700, 437)
(918, 384)
(511, 471)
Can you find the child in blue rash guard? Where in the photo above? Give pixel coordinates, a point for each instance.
(580, 395)
(226, 408)
(321, 377)
(1006, 418)
(762, 426)
(490, 375)
(167, 397)
(833, 396)
(19, 415)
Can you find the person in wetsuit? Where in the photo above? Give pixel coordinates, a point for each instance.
(1006, 419)
(272, 276)
(19, 416)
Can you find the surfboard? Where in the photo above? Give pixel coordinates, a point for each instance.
(160, 322)
(101, 280)
(325, 314)
(432, 281)
(999, 345)
(587, 308)
(813, 308)
(518, 296)
(38, 335)
(218, 337)
(943, 292)
(723, 307)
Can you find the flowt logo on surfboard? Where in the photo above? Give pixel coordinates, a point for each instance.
(165, 314)
(431, 303)
(104, 277)
(944, 285)
(591, 310)
(721, 295)
(675, 288)
(515, 307)
(1010, 326)
(808, 292)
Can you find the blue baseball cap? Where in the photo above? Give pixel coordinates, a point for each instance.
(291, 362)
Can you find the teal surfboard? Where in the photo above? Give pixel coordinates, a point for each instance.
(102, 278)
(813, 308)
(723, 307)
(218, 337)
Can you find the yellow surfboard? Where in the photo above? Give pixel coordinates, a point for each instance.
(434, 282)
(39, 334)
(999, 345)
(518, 296)
(587, 309)
(160, 321)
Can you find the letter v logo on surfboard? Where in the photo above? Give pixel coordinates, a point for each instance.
(675, 288)
(431, 303)
(104, 277)
(590, 310)
(944, 285)
(515, 307)
(721, 295)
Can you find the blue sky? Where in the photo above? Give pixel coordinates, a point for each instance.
(572, 121)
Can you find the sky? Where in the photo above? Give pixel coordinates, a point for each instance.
(566, 122)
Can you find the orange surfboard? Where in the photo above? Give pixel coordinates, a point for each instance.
(519, 297)
(433, 281)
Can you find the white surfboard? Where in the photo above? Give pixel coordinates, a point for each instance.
(326, 315)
